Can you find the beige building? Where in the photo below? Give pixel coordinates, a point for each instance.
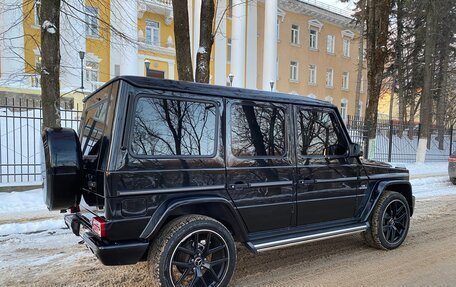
(295, 46)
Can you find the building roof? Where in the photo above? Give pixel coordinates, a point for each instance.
(215, 90)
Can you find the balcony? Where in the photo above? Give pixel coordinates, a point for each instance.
(163, 7)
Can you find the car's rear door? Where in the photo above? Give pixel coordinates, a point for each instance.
(259, 163)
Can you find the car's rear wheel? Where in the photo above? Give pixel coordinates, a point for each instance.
(389, 222)
(193, 250)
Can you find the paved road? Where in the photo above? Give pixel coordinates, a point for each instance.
(427, 258)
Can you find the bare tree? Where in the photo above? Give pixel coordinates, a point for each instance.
(182, 36)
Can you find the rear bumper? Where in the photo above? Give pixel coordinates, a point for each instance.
(109, 253)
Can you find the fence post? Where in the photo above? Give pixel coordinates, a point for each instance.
(390, 141)
(451, 139)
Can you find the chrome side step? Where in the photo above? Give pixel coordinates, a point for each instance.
(266, 246)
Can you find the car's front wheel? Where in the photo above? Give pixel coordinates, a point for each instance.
(193, 250)
(389, 222)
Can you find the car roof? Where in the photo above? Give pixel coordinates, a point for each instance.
(215, 90)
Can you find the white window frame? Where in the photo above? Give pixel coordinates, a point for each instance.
(360, 108)
(313, 39)
(330, 43)
(92, 69)
(92, 25)
(278, 29)
(345, 80)
(344, 109)
(295, 29)
(294, 71)
(312, 74)
(346, 47)
(152, 35)
(329, 77)
(329, 99)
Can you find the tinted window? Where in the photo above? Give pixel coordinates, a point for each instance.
(257, 130)
(318, 134)
(164, 127)
(94, 121)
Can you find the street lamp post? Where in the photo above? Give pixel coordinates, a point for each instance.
(231, 77)
(81, 56)
(271, 83)
(147, 65)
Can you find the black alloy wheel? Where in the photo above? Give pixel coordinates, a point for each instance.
(192, 251)
(200, 259)
(394, 221)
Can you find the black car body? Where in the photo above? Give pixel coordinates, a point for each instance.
(274, 169)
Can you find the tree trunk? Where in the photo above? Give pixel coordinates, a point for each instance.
(400, 66)
(182, 36)
(426, 96)
(50, 61)
(203, 56)
(377, 36)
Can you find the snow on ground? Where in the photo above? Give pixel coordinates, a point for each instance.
(22, 201)
(31, 227)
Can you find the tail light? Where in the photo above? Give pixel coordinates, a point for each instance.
(99, 226)
(452, 159)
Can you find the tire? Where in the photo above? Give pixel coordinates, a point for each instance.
(174, 259)
(61, 168)
(453, 180)
(389, 222)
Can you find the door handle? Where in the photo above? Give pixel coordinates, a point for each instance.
(306, 181)
(239, 185)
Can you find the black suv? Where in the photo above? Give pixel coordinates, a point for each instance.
(175, 173)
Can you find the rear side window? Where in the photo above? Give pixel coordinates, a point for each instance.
(94, 121)
(318, 134)
(173, 128)
(257, 130)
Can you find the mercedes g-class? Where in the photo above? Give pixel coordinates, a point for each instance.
(175, 173)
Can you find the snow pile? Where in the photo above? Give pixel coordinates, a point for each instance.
(23, 201)
(425, 169)
(31, 227)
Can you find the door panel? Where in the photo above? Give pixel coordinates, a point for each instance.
(327, 178)
(260, 168)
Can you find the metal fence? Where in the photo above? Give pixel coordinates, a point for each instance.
(20, 139)
(396, 142)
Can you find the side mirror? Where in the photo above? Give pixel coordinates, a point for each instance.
(357, 151)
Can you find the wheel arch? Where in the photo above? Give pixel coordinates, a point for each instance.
(217, 208)
(401, 186)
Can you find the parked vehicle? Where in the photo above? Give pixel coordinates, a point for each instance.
(452, 168)
(175, 173)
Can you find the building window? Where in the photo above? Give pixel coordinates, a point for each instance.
(345, 79)
(295, 34)
(92, 71)
(362, 84)
(312, 74)
(37, 64)
(228, 50)
(343, 109)
(294, 71)
(359, 107)
(116, 70)
(278, 30)
(91, 21)
(330, 44)
(329, 99)
(37, 12)
(313, 44)
(329, 77)
(153, 32)
(346, 47)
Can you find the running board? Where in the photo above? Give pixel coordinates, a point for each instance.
(287, 242)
